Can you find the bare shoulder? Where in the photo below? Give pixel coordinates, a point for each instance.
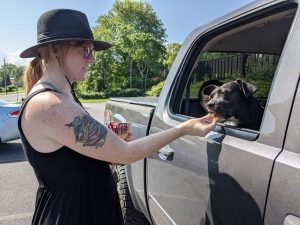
(49, 105)
(43, 116)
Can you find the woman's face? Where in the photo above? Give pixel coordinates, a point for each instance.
(77, 60)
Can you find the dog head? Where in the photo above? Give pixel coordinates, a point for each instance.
(229, 100)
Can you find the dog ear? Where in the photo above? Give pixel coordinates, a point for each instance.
(247, 88)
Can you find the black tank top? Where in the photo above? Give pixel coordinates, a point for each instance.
(73, 189)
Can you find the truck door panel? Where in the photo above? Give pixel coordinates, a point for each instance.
(211, 181)
(284, 196)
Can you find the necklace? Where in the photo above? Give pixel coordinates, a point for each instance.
(73, 92)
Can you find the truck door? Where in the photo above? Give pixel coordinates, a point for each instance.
(283, 204)
(224, 177)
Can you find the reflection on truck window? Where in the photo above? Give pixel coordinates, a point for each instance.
(232, 74)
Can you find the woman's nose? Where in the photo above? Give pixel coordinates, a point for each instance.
(91, 59)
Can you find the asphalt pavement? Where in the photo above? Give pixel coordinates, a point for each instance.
(18, 184)
(12, 97)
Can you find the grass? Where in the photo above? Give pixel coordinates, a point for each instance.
(20, 90)
(82, 101)
(92, 100)
(12, 92)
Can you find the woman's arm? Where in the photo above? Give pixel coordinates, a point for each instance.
(64, 122)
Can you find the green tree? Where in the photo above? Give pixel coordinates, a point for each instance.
(172, 51)
(17, 74)
(215, 55)
(138, 37)
(12, 71)
(6, 73)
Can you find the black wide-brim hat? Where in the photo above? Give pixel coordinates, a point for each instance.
(62, 25)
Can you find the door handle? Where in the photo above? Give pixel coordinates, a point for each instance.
(214, 137)
(166, 153)
(291, 220)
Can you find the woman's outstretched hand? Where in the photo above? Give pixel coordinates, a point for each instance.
(199, 126)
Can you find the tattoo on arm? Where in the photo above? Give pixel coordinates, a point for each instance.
(88, 131)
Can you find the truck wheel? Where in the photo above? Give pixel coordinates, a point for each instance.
(130, 214)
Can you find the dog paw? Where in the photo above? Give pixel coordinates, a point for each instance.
(232, 121)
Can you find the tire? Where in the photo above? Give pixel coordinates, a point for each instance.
(130, 214)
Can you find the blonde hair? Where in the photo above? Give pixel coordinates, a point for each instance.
(37, 67)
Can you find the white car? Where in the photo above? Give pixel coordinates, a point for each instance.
(9, 114)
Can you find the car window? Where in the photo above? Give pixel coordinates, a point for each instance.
(247, 52)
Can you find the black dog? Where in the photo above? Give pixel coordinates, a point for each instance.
(233, 103)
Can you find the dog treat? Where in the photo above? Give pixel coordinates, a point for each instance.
(209, 121)
(118, 128)
(212, 115)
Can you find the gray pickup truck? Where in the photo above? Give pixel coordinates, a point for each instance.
(234, 175)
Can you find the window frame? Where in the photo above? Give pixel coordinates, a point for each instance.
(191, 56)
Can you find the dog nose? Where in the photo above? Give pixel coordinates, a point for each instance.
(210, 104)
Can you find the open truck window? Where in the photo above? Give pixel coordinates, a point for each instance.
(249, 49)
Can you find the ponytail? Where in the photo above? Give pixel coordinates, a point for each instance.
(33, 72)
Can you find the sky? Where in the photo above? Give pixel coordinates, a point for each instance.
(180, 17)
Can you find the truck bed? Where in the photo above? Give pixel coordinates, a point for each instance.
(137, 111)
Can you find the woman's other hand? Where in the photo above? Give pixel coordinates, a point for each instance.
(126, 136)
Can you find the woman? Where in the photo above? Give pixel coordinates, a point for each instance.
(68, 149)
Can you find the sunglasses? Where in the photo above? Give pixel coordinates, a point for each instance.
(87, 52)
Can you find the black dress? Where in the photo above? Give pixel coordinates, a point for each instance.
(73, 189)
